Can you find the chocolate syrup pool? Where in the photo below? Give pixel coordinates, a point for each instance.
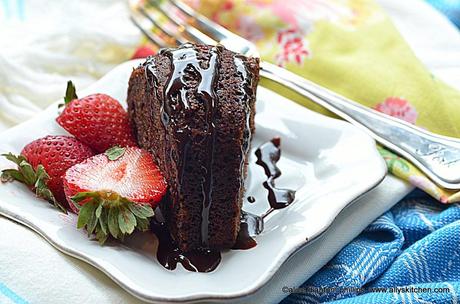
(169, 254)
(204, 260)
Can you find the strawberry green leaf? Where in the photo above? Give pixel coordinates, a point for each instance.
(113, 222)
(36, 179)
(141, 211)
(103, 221)
(99, 211)
(143, 224)
(101, 236)
(126, 221)
(85, 214)
(107, 214)
(29, 174)
(81, 196)
(9, 175)
(76, 204)
(115, 153)
(70, 93)
(93, 220)
(15, 159)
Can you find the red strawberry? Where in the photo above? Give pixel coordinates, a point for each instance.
(114, 192)
(97, 120)
(44, 161)
(143, 52)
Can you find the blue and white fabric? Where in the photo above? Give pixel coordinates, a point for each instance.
(411, 254)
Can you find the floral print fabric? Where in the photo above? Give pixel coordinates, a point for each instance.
(399, 108)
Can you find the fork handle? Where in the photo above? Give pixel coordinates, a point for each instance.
(437, 156)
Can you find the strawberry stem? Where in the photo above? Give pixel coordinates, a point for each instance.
(109, 214)
(35, 179)
(70, 93)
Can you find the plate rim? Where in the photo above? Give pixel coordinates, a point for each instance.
(203, 296)
(184, 299)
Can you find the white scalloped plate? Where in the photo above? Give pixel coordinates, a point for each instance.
(329, 162)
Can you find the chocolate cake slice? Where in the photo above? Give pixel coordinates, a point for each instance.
(193, 107)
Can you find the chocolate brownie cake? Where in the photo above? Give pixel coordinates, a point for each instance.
(193, 107)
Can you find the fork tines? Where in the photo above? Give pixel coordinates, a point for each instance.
(167, 24)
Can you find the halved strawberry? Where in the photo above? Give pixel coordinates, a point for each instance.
(97, 120)
(42, 164)
(114, 192)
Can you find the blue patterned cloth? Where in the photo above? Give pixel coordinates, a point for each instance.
(411, 254)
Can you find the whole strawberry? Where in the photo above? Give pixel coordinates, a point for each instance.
(114, 192)
(97, 120)
(143, 52)
(42, 164)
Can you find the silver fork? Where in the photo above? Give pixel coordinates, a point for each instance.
(169, 23)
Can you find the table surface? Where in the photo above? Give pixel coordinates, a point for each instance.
(34, 271)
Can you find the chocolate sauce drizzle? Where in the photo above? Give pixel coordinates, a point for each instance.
(169, 254)
(267, 156)
(183, 59)
(245, 92)
(250, 225)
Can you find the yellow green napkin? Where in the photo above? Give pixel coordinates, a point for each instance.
(351, 47)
